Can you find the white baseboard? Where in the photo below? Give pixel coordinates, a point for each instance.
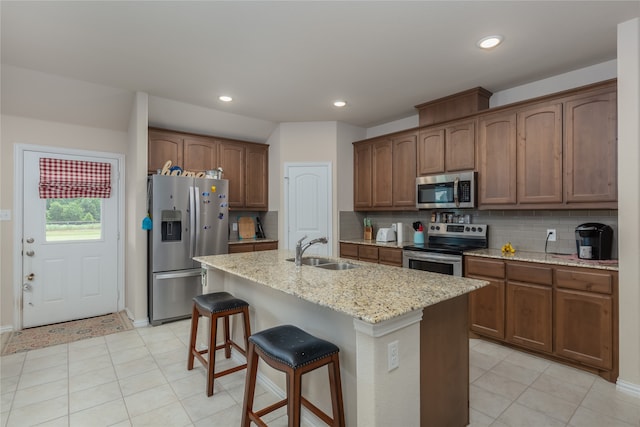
(627, 387)
(137, 323)
(4, 329)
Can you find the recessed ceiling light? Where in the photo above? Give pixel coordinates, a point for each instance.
(489, 42)
(339, 103)
(225, 98)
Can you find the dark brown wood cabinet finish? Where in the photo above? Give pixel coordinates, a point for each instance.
(232, 161)
(404, 170)
(447, 148)
(539, 160)
(385, 173)
(257, 177)
(497, 159)
(487, 305)
(163, 146)
(371, 253)
(591, 148)
(561, 312)
(200, 153)
(430, 151)
(557, 153)
(252, 247)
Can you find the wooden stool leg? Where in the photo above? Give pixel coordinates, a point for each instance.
(247, 327)
(213, 329)
(294, 391)
(250, 384)
(195, 317)
(227, 338)
(336, 391)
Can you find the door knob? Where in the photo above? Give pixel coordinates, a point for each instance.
(31, 276)
(29, 253)
(30, 240)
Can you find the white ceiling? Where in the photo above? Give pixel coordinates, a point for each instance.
(287, 61)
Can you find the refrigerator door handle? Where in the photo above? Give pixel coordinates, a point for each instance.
(191, 273)
(192, 222)
(196, 244)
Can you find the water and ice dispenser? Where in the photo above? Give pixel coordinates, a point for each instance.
(171, 225)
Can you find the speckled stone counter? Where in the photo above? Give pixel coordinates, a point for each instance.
(568, 260)
(371, 292)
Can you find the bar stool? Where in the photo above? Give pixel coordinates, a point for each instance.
(293, 351)
(215, 306)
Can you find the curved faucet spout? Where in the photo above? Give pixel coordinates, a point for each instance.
(301, 248)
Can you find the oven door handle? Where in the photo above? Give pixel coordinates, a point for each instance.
(423, 256)
(456, 199)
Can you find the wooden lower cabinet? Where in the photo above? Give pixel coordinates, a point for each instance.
(372, 253)
(584, 322)
(563, 313)
(529, 322)
(252, 247)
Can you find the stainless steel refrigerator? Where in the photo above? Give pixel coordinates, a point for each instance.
(190, 218)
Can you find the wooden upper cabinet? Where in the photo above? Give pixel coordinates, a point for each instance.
(163, 146)
(232, 161)
(460, 146)
(539, 164)
(430, 151)
(497, 158)
(591, 147)
(362, 175)
(200, 153)
(447, 148)
(257, 177)
(382, 189)
(404, 170)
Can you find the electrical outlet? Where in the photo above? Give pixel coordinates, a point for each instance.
(551, 233)
(234, 226)
(393, 358)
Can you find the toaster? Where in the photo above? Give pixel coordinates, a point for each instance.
(386, 235)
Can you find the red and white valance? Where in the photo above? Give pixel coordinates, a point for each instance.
(66, 179)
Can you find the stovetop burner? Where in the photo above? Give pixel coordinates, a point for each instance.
(452, 239)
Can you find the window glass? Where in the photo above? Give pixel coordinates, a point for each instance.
(73, 219)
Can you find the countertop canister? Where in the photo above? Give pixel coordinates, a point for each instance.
(399, 234)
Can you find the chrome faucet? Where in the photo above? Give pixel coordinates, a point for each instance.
(300, 248)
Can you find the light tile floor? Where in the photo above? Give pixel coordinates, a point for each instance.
(139, 378)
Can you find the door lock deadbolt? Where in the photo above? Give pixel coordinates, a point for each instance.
(30, 240)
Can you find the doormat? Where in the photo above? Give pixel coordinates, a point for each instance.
(63, 333)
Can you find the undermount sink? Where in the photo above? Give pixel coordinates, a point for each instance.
(337, 266)
(313, 261)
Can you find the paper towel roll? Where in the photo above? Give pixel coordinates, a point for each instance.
(399, 235)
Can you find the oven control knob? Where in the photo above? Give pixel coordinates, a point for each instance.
(480, 229)
(473, 229)
(437, 227)
(467, 228)
(433, 227)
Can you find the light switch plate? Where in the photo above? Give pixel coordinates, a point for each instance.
(5, 215)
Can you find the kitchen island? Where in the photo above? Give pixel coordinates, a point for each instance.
(366, 311)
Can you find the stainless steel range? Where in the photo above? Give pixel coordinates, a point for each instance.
(442, 251)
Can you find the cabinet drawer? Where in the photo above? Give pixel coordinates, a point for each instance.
(240, 247)
(530, 274)
(368, 253)
(390, 256)
(265, 246)
(485, 267)
(349, 250)
(585, 280)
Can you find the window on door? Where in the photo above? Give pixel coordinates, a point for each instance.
(73, 219)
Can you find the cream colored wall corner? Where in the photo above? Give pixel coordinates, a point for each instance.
(629, 202)
(136, 209)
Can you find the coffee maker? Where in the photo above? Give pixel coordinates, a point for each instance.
(593, 241)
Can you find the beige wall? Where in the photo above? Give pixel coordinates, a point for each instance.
(629, 202)
(21, 130)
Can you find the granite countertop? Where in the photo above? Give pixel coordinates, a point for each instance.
(557, 259)
(371, 292)
(254, 240)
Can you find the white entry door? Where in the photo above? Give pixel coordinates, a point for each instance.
(70, 250)
(308, 205)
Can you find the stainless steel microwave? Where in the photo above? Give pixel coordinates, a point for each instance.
(454, 190)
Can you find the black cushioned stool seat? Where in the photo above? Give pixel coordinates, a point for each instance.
(215, 306)
(294, 352)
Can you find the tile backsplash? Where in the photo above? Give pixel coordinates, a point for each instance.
(525, 229)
